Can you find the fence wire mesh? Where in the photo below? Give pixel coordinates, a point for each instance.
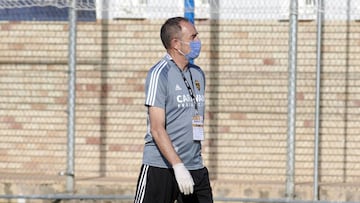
(245, 9)
(245, 56)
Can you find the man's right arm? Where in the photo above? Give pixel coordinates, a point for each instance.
(162, 140)
(159, 134)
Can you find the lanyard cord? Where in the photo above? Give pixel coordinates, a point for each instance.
(191, 92)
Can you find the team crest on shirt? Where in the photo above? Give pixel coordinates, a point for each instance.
(197, 84)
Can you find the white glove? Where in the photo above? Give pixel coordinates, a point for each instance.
(184, 179)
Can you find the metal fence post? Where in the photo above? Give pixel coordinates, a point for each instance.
(317, 108)
(291, 100)
(71, 99)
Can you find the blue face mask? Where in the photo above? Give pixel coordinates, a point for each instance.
(195, 48)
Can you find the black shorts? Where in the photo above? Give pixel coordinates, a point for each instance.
(158, 185)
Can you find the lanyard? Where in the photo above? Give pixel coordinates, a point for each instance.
(191, 92)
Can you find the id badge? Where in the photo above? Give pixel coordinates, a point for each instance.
(198, 128)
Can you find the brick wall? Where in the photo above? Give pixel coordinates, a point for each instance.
(246, 64)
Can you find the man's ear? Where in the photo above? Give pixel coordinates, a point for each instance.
(175, 43)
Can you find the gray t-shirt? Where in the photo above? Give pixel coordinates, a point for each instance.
(165, 88)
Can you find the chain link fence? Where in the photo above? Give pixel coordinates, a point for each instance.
(245, 57)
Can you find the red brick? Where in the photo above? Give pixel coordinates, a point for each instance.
(16, 46)
(39, 106)
(268, 61)
(238, 116)
(5, 27)
(224, 129)
(106, 87)
(356, 103)
(93, 140)
(126, 147)
(139, 88)
(308, 123)
(91, 87)
(61, 100)
(126, 100)
(300, 96)
(15, 125)
(131, 81)
(8, 119)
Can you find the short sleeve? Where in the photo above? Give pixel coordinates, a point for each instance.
(156, 87)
